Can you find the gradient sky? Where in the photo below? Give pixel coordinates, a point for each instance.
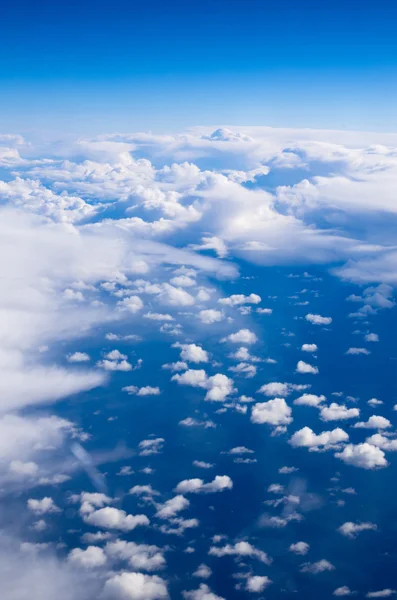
(127, 65)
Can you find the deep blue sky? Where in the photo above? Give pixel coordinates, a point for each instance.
(96, 66)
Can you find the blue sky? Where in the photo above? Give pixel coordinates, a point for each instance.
(95, 66)
(198, 300)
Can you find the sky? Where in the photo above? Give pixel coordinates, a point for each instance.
(88, 67)
(198, 269)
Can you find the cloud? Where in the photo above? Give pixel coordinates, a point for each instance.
(114, 518)
(210, 316)
(244, 336)
(240, 549)
(338, 412)
(257, 583)
(374, 422)
(309, 400)
(301, 548)
(43, 507)
(276, 388)
(318, 319)
(90, 558)
(343, 591)
(146, 390)
(140, 557)
(172, 507)
(358, 351)
(239, 299)
(202, 593)
(363, 455)
(197, 486)
(134, 586)
(218, 386)
(309, 348)
(351, 530)
(193, 353)
(305, 368)
(317, 567)
(306, 438)
(274, 412)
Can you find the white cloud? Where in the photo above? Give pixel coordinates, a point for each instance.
(257, 583)
(309, 348)
(338, 412)
(133, 304)
(274, 412)
(44, 506)
(301, 548)
(305, 368)
(374, 422)
(78, 357)
(358, 351)
(239, 299)
(146, 390)
(210, 316)
(317, 567)
(141, 557)
(203, 571)
(240, 549)
(218, 386)
(276, 388)
(110, 517)
(134, 586)
(351, 530)
(172, 507)
(309, 400)
(193, 353)
(202, 593)
(306, 438)
(197, 486)
(381, 593)
(90, 558)
(318, 319)
(343, 591)
(244, 336)
(363, 455)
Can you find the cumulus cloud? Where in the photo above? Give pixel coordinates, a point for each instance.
(351, 530)
(244, 336)
(338, 412)
(240, 549)
(238, 299)
(317, 567)
(305, 368)
(197, 486)
(218, 386)
(309, 400)
(110, 517)
(274, 412)
(134, 586)
(363, 455)
(306, 438)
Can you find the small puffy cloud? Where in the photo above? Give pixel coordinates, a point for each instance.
(183, 281)
(202, 593)
(218, 386)
(203, 571)
(318, 319)
(257, 583)
(202, 464)
(309, 348)
(374, 422)
(305, 368)
(374, 402)
(358, 351)
(276, 388)
(143, 391)
(134, 586)
(132, 304)
(77, 357)
(243, 336)
(245, 369)
(371, 337)
(363, 455)
(351, 530)
(306, 438)
(172, 507)
(381, 593)
(110, 517)
(317, 567)
(192, 422)
(383, 442)
(175, 296)
(197, 486)
(141, 557)
(193, 353)
(274, 412)
(338, 412)
(309, 400)
(90, 558)
(151, 446)
(342, 591)
(158, 317)
(210, 316)
(301, 548)
(240, 549)
(43, 507)
(238, 299)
